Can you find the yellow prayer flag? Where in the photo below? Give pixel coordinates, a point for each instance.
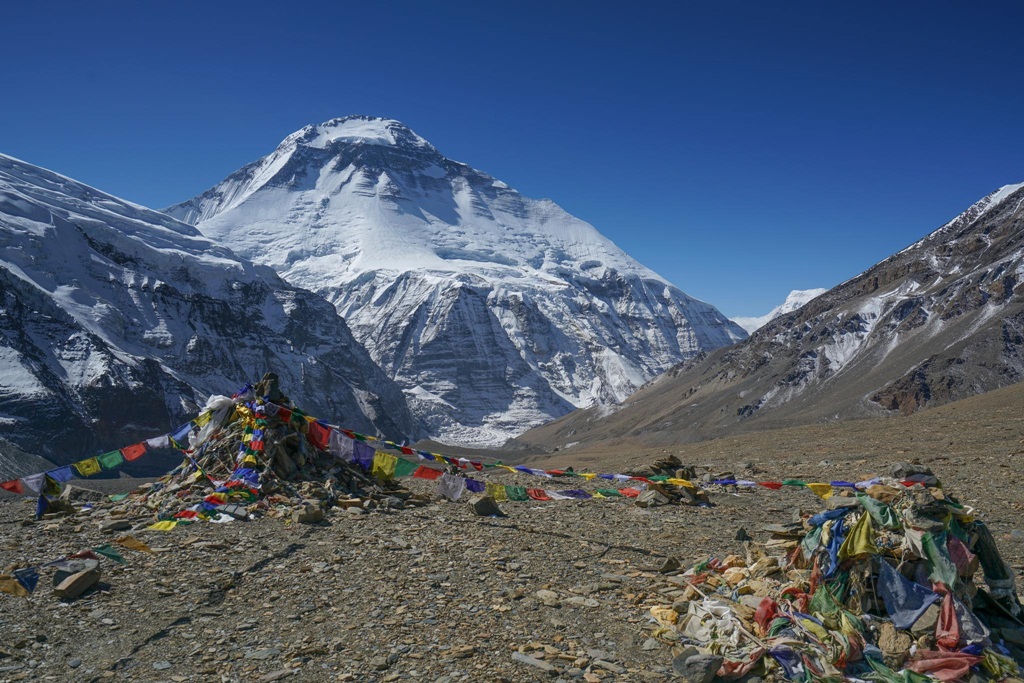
(9, 584)
(588, 475)
(505, 467)
(497, 492)
(823, 491)
(165, 525)
(861, 539)
(682, 482)
(597, 494)
(133, 543)
(87, 468)
(203, 418)
(384, 466)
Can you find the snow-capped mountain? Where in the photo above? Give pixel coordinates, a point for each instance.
(939, 321)
(110, 313)
(493, 311)
(796, 299)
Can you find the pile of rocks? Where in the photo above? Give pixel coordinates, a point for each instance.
(883, 584)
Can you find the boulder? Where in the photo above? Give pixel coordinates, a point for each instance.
(485, 506)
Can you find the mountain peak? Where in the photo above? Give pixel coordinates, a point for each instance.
(366, 130)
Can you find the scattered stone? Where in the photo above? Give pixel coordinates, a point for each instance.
(534, 662)
(548, 597)
(697, 668)
(485, 506)
(161, 666)
(670, 564)
(308, 513)
(76, 584)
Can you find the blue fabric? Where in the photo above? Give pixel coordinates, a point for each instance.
(843, 484)
(61, 474)
(362, 455)
(181, 433)
(790, 661)
(822, 517)
(576, 493)
(836, 542)
(42, 505)
(246, 474)
(606, 476)
(905, 601)
(475, 486)
(425, 455)
(28, 578)
(724, 482)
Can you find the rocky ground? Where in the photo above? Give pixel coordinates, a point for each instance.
(553, 591)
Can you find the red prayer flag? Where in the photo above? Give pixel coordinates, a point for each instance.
(423, 472)
(407, 451)
(555, 473)
(630, 493)
(14, 486)
(134, 452)
(773, 485)
(319, 435)
(478, 466)
(537, 494)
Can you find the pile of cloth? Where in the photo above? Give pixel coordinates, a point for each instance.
(880, 586)
(254, 454)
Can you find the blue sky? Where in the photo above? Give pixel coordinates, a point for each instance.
(741, 149)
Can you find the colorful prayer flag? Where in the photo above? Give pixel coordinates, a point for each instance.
(14, 486)
(134, 452)
(109, 461)
(87, 468)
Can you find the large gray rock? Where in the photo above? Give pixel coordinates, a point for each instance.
(485, 506)
(697, 668)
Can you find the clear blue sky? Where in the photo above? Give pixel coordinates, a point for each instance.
(741, 149)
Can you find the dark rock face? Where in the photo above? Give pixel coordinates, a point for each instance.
(939, 321)
(111, 315)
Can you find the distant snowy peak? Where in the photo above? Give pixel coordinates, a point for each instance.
(355, 130)
(796, 299)
(493, 311)
(438, 215)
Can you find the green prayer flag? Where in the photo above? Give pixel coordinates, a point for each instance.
(117, 497)
(516, 493)
(404, 468)
(110, 460)
(106, 550)
(939, 563)
(882, 514)
(794, 482)
(609, 492)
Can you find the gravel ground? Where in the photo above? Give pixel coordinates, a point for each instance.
(555, 590)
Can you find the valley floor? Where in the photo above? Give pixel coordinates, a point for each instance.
(437, 594)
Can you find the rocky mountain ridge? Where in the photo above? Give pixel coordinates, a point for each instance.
(941, 320)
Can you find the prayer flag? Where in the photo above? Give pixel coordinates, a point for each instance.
(450, 486)
(87, 468)
(10, 585)
(424, 472)
(14, 486)
(823, 491)
(861, 540)
(34, 482)
(404, 468)
(340, 446)
(496, 491)
(384, 466)
(475, 486)
(27, 577)
(134, 452)
(165, 525)
(319, 435)
(109, 461)
(133, 543)
(106, 550)
(61, 474)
